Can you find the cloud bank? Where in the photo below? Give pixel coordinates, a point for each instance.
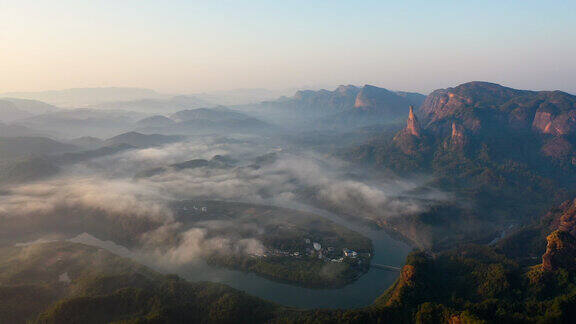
(264, 174)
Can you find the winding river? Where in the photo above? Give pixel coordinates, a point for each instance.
(361, 292)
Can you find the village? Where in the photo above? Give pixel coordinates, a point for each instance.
(292, 246)
(312, 249)
(315, 249)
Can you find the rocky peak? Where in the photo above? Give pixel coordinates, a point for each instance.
(411, 140)
(412, 124)
(560, 252)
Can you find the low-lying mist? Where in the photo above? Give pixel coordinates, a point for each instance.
(136, 191)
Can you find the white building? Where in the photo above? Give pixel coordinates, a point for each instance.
(350, 253)
(317, 246)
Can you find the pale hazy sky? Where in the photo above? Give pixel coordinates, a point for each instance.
(193, 46)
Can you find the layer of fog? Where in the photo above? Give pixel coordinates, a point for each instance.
(284, 177)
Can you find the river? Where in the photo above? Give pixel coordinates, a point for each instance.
(361, 292)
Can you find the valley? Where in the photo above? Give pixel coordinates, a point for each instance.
(293, 247)
(287, 162)
(416, 208)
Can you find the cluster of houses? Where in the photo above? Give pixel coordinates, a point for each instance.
(195, 208)
(316, 249)
(349, 253)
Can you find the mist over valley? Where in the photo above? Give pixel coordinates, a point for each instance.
(287, 162)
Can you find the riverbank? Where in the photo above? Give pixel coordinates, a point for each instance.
(295, 247)
(359, 292)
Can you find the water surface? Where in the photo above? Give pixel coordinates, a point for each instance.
(361, 292)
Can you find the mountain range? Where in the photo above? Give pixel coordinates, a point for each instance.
(13, 108)
(203, 120)
(153, 105)
(346, 107)
(81, 97)
(501, 248)
(24, 159)
(508, 154)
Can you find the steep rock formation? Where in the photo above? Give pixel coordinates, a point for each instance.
(458, 138)
(478, 139)
(516, 123)
(555, 124)
(560, 252)
(410, 140)
(412, 124)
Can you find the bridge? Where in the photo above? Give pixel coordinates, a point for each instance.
(384, 267)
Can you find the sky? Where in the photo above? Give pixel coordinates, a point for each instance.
(187, 46)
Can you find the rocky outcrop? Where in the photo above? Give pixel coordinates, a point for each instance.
(458, 138)
(560, 252)
(548, 122)
(411, 139)
(497, 116)
(412, 124)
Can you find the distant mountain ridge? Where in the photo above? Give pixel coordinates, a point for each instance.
(213, 114)
(82, 122)
(13, 108)
(202, 120)
(347, 97)
(19, 147)
(347, 106)
(155, 105)
(80, 97)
